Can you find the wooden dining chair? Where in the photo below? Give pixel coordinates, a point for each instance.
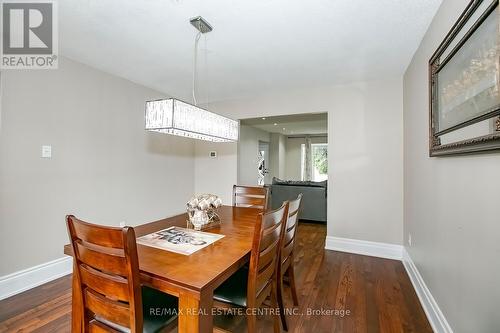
(285, 266)
(110, 295)
(250, 196)
(250, 286)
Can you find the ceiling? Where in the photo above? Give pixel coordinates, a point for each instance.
(316, 123)
(255, 47)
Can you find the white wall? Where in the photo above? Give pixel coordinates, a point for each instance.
(274, 155)
(248, 148)
(277, 154)
(105, 168)
(365, 152)
(216, 175)
(281, 156)
(293, 158)
(451, 205)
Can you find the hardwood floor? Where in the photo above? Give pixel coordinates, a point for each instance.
(43, 309)
(361, 294)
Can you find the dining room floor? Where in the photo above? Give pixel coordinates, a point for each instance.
(338, 292)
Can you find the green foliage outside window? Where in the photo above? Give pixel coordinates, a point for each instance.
(320, 159)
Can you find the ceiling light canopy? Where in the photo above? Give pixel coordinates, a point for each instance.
(175, 117)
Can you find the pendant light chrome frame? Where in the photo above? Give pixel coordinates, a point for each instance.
(176, 117)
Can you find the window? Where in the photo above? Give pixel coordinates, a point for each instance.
(319, 160)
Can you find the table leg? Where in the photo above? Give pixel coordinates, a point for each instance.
(195, 312)
(76, 305)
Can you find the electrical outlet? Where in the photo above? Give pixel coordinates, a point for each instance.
(122, 224)
(409, 239)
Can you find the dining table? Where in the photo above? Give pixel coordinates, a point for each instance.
(192, 278)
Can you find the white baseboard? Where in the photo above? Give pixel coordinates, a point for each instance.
(20, 281)
(367, 248)
(392, 251)
(434, 315)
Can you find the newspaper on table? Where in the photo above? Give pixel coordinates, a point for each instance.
(179, 240)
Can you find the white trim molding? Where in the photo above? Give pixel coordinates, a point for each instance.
(434, 315)
(20, 281)
(367, 248)
(393, 251)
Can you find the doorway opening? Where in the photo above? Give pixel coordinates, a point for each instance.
(288, 154)
(262, 169)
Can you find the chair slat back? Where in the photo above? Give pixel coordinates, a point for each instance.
(106, 267)
(250, 196)
(289, 233)
(264, 257)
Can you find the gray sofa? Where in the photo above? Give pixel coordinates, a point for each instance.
(313, 197)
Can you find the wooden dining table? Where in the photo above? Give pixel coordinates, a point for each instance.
(192, 278)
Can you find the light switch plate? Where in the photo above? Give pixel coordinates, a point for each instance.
(46, 151)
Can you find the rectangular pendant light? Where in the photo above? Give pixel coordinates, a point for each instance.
(172, 116)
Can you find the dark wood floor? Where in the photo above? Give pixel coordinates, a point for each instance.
(362, 294)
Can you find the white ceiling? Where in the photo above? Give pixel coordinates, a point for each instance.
(255, 47)
(311, 123)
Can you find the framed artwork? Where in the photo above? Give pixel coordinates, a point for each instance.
(464, 83)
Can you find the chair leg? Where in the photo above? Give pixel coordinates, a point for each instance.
(291, 278)
(251, 321)
(281, 307)
(274, 305)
